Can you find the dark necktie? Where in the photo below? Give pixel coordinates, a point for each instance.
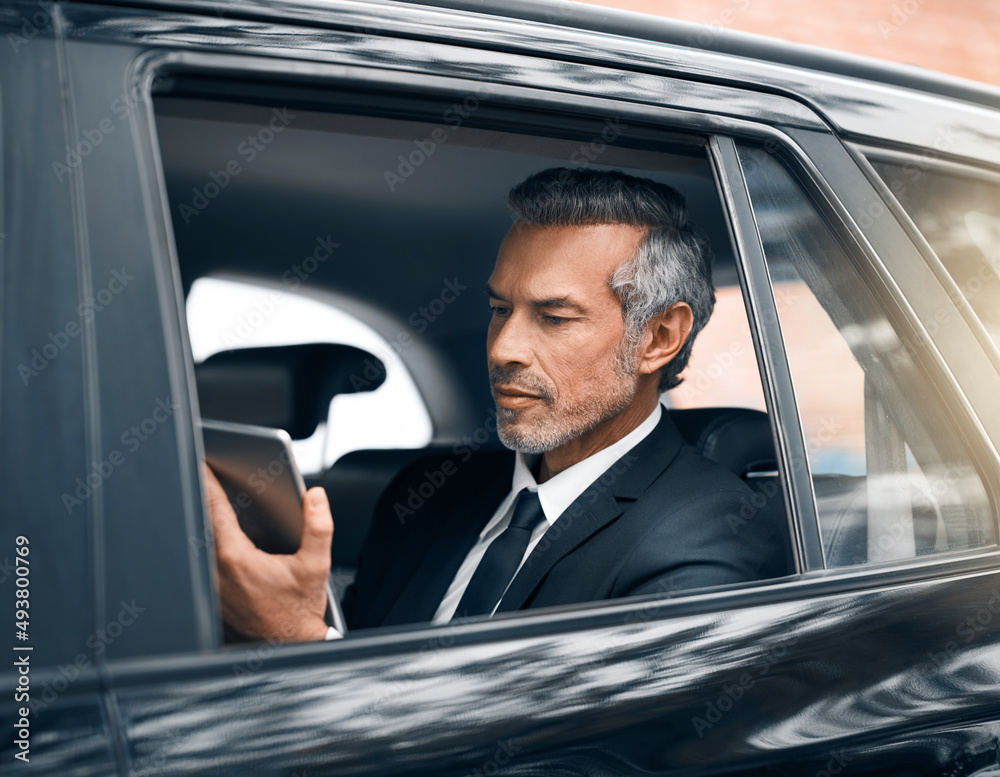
(502, 557)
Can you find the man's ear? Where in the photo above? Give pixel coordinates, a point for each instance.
(665, 335)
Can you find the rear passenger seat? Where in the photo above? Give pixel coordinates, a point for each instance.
(737, 438)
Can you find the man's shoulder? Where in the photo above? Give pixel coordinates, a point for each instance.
(689, 488)
(695, 474)
(699, 524)
(664, 460)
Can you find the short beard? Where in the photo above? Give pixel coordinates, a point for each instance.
(565, 424)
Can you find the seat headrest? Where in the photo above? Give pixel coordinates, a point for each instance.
(287, 387)
(738, 438)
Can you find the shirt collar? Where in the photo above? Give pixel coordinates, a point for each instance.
(560, 491)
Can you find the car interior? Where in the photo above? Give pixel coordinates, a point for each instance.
(408, 196)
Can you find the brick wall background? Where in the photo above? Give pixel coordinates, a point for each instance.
(959, 37)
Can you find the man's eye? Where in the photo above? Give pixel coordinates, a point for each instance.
(499, 310)
(554, 320)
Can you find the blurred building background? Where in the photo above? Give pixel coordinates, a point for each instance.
(956, 37)
(959, 37)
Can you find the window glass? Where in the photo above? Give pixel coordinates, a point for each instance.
(417, 224)
(960, 217)
(892, 478)
(723, 370)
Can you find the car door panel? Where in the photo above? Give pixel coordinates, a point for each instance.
(795, 682)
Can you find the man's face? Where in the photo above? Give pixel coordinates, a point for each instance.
(555, 331)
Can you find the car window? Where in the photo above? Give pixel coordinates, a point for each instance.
(959, 215)
(891, 478)
(417, 210)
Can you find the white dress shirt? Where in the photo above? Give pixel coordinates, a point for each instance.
(556, 494)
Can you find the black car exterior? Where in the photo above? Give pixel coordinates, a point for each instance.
(842, 668)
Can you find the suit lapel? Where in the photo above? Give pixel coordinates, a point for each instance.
(457, 531)
(580, 520)
(596, 507)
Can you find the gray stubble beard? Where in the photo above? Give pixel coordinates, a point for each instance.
(556, 430)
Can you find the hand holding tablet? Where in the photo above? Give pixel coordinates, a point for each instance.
(273, 546)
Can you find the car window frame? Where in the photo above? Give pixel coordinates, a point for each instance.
(814, 579)
(868, 262)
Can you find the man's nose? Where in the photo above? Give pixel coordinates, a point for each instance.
(509, 342)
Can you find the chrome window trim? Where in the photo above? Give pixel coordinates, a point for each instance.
(786, 421)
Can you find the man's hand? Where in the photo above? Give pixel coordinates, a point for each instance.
(266, 596)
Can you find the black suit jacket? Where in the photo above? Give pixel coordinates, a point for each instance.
(661, 519)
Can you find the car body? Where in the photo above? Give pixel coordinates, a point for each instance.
(142, 150)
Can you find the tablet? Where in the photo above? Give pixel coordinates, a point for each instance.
(257, 469)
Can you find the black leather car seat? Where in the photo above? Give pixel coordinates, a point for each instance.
(741, 440)
(737, 438)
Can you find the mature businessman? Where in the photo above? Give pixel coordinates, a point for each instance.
(598, 292)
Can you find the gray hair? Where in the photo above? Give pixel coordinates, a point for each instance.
(674, 260)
